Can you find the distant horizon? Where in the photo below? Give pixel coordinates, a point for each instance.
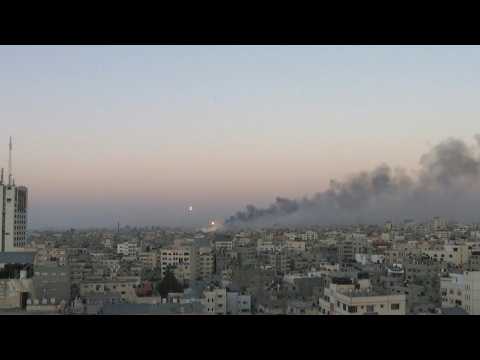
(137, 134)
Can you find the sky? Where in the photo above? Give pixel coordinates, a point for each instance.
(136, 134)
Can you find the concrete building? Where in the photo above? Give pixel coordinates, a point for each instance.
(452, 289)
(238, 304)
(309, 235)
(205, 261)
(473, 263)
(51, 282)
(125, 287)
(223, 302)
(129, 248)
(149, 260)
(265, 246)
(347, 248)
(457, 254)
(245, 255)
(181, 260)
(472, 292)
(295, 245)
(224, 244)
(13, 212)
(16, 272)
(215, 301)
(279, 262)
(462, 290)
(348, 298)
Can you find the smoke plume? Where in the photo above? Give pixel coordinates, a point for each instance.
(447, 185)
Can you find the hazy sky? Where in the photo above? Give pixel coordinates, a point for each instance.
(137, 133)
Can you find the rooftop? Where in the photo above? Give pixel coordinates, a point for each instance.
(17, 257)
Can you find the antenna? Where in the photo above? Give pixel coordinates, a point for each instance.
(10, 147)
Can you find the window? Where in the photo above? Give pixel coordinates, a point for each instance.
(370, 308)
(395, 307)
(352, 309)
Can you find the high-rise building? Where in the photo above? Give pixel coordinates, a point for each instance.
(13, 202)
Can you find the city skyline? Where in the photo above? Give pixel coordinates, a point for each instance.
(138, 134)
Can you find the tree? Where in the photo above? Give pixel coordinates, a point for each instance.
(168, 284)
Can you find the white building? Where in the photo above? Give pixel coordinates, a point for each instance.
(13, 224)
(309, 235)
(128, 248)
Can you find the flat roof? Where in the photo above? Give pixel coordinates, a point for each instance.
(17, 257)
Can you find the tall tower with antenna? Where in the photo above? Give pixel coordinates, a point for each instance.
(13, 210)
(10, 149)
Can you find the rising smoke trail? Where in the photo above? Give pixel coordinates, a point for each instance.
(448, 185)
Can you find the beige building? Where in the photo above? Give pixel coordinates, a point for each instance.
(347, 299)
(124, 286)
(181, 260)
(295, 245)
(472, 292)
(457, 254)
(149, 260)
(205, 261)
(452, 289)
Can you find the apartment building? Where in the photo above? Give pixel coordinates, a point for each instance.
(205, 263)
(149, 260)
(309, 235)
(457, 254)
(181, 260)
(346, 298)
(350, 246)
(452, 289)
(215, 301)
(124, 286)
(279, 262)
(128, 248)
(472, 292)
(295, 245)
(462, 290)
(222, 302)
(238, 304)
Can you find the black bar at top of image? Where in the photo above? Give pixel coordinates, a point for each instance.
(246, 36)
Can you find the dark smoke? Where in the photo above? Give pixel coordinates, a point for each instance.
(447, 185)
